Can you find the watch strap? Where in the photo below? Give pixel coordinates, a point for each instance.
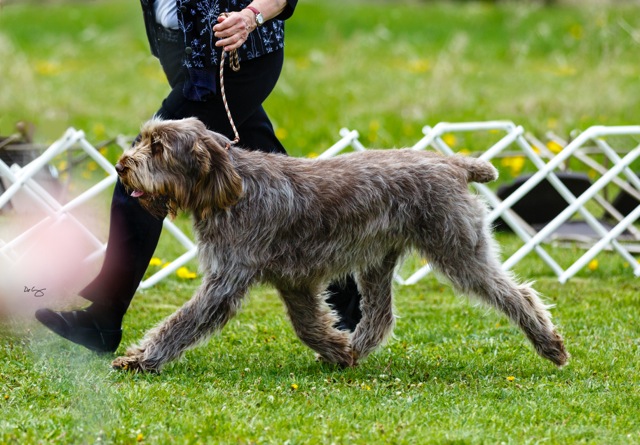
(254, 10)
(258, 14)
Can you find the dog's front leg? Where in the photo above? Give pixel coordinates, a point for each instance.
(215, 302)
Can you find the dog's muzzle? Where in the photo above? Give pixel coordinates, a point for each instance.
(120, 169)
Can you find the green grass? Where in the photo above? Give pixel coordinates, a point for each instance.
(443, 378)
(385, 69)
(454, 372)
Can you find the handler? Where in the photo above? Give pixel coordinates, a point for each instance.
(188, 37)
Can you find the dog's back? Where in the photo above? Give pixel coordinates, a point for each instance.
(345, 210)
(477, 170)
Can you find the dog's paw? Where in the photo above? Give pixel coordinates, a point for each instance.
(554, 350)
(346, 360)
(127, 363)
(133, 362)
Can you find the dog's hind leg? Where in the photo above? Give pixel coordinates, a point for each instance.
(215, 302)
(313, 322)
(377, 320)
(471, 263)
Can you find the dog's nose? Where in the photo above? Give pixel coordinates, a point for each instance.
(119, 168)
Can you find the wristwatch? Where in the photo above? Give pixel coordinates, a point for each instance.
(259, 18)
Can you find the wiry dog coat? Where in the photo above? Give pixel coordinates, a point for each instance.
(300, 223)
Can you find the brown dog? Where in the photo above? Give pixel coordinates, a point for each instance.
(300, 223)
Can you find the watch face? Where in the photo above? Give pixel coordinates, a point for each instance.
(259, 19)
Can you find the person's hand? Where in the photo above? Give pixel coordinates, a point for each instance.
(233, 29)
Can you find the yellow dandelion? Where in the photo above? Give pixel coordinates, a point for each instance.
(92, 166)
(155, 262)
(515, 164)
(99, 130)
(86, 174)
(302, 63)
(511, 378)
(566, 70)
(374, 126)
(312, 155)
(167, 264)
(554, 147)
(139, 437)
(576, 31)
(418, 66)
(47, 68)
(281, 133)
(294, 386)
(450, 139)
(593, 265)
(62, 165)
(185, 273)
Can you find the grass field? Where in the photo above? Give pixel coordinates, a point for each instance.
(454, 372)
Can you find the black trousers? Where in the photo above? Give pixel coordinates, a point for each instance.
(134, 233)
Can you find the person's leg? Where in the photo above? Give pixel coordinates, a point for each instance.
(133, 237)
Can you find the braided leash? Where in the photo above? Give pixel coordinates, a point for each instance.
(234, 63)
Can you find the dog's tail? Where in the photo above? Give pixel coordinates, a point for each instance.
(478, 170)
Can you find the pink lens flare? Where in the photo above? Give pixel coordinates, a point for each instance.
(44, 263)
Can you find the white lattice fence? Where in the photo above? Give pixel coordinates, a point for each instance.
(22, 180)
(507, 141)
(593, 141)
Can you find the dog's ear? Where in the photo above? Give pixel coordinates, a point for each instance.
(156, 144)
(151, 135)
(222, 185)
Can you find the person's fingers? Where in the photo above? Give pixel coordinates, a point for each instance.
(232, 31)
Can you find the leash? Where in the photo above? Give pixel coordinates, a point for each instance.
(234, 63)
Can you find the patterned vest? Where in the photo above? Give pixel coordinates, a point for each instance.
(195, 20)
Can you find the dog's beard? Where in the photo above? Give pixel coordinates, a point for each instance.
(158, 206)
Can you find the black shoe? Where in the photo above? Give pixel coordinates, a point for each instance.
(80, 327)
(344, 298)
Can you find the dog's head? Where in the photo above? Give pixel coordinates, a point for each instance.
(179, 164)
